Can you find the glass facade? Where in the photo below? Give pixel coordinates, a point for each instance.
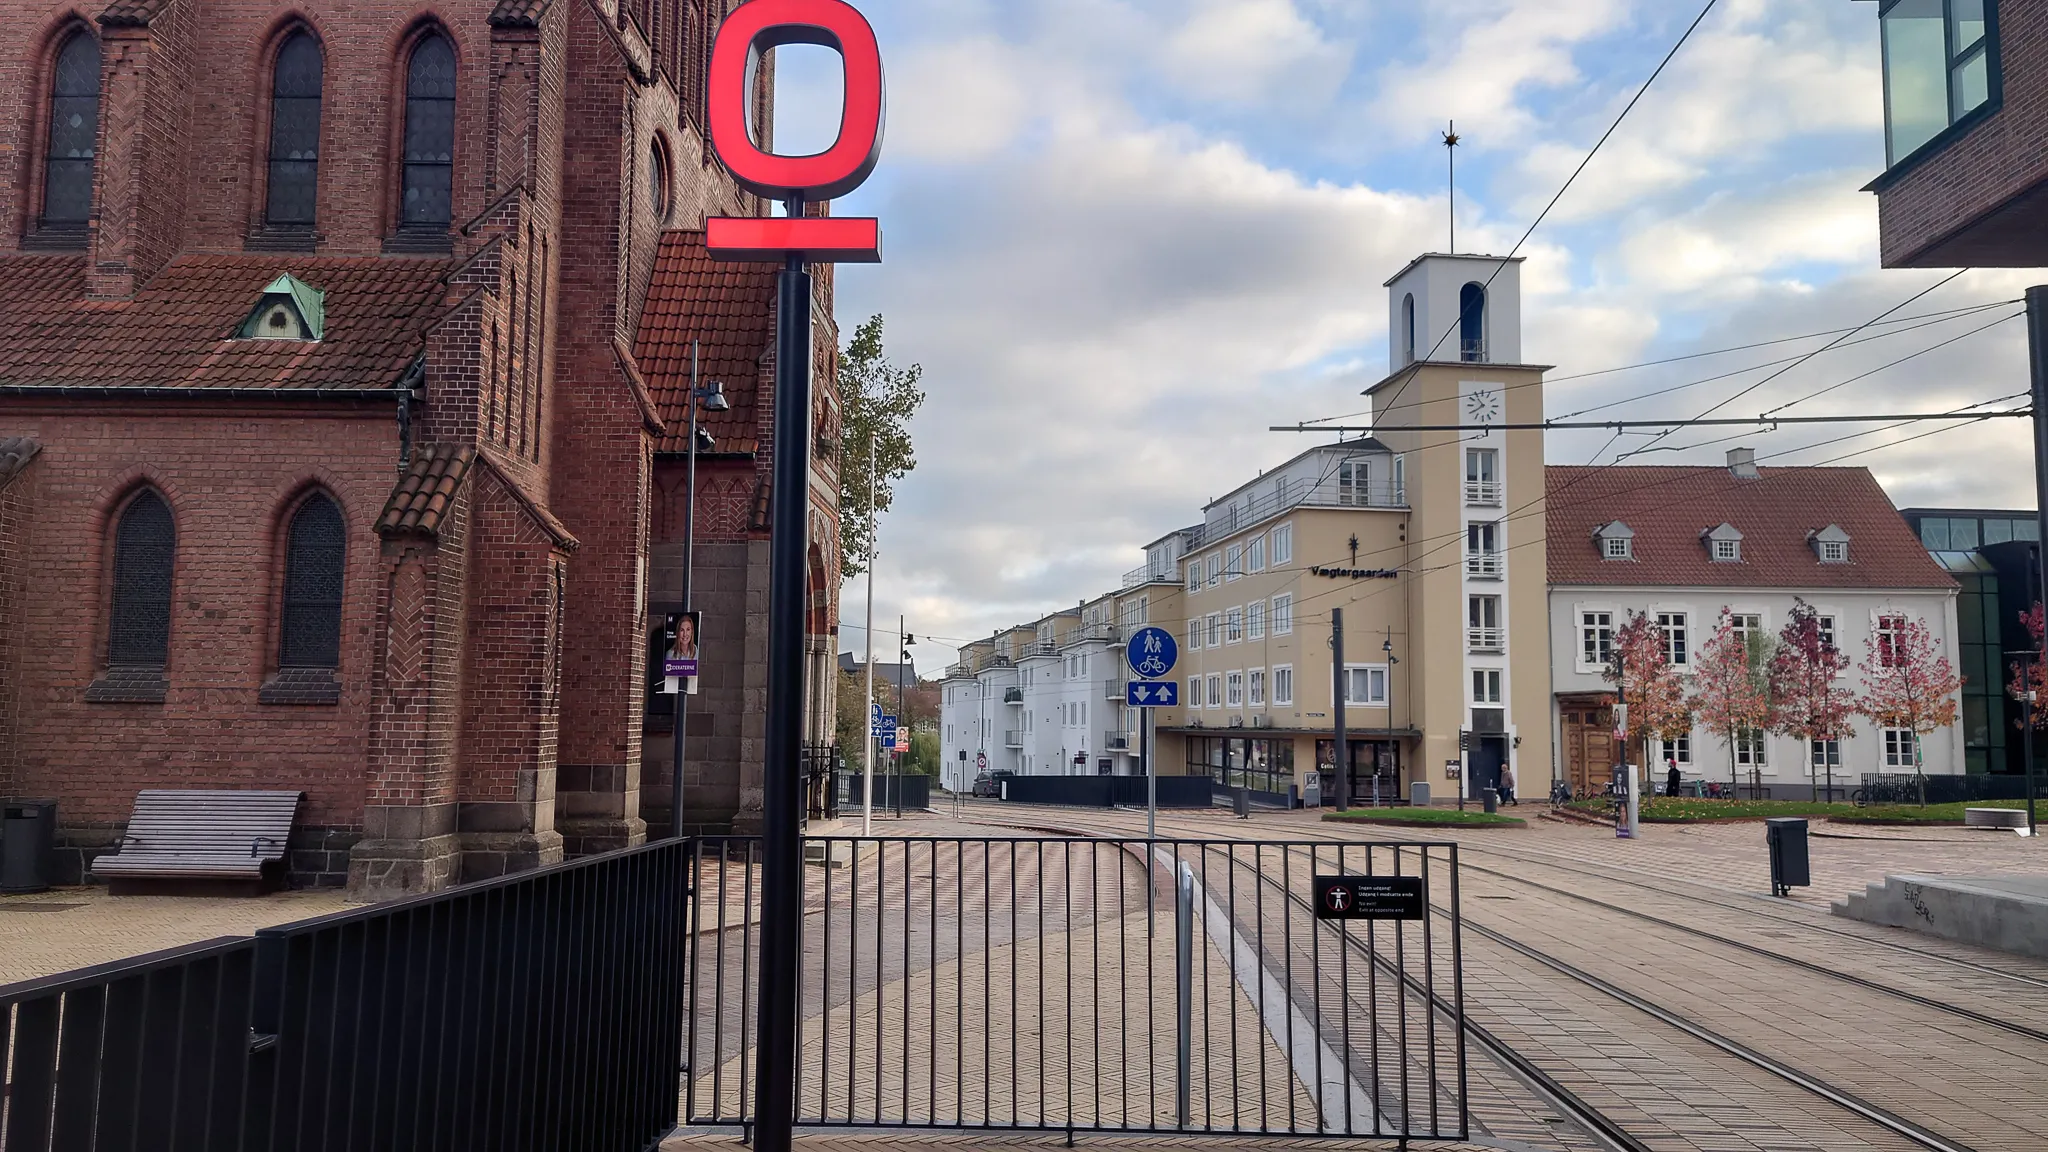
(1261, 765)
(1940, 65)
(1989, 552)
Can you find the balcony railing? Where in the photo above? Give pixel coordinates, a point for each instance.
(1013, 695)
(1283, 494)
(1486, 639)
(1485, 492)
(1472, 349)
(1042, 648)
(1013, 739)
(1164, 572)
(1113, 690)
(1117, 742)
(1483, 565)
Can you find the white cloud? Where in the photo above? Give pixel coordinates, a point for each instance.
(1480, 56)
(1248, 50)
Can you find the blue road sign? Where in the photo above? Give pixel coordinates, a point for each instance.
(884, 727)
(1152, 652)
(1152, 693)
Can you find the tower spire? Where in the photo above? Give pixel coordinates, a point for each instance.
(1451, 151)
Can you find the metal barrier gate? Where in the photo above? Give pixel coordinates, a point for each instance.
(1090, 985)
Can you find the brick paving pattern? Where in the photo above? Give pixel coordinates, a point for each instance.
(65, 928)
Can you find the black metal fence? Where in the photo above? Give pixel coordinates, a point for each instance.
(1107, 791)
(913, 792)
(1905, 788)
(820, 782)
(537, 1011)
(1090, 985)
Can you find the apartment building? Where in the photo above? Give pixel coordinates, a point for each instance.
(1409, 532)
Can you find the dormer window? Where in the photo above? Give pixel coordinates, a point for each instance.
(1830, 545)
(1724, 544)
(289, 309)
(1616, 541)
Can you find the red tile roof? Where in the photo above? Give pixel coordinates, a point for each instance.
(1668, 508)
(179, 330)
(424, 490)
(518, 13)
(729, 309)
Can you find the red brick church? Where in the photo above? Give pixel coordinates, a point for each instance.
(344, 356)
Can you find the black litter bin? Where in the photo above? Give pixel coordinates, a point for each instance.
(28, 845)
(1786, 836)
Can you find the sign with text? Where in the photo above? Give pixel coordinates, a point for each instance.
(1369, 898)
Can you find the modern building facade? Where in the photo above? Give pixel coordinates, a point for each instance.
(1681, 544)
(1415, 534)
(1993, 554)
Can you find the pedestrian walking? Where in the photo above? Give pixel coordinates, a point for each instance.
(1507, 785)
(1671, 781)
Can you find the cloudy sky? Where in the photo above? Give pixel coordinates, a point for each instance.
(1125, 236)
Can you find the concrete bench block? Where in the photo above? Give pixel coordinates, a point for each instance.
(1995, 817)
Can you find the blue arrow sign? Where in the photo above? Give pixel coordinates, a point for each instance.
(884, 727)
(1152, 693)
(1152, 652)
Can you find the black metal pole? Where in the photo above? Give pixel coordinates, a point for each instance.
(2037, 363)
(1341, 754)
(903, 716)
(682, 725)
(2027, 728)
(781, 851)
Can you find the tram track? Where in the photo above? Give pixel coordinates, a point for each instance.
(1595, 1124)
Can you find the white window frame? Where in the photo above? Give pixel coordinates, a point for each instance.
(1678, 748)
(1213, 623)
(1194, 574)
(1752, 748)
(1255, 553)
(1233, 688)
(1215, 683)
(1596, 637)
(1677, 630)
(1885, 636)
(1725, 551)
(1830, 637)
(1214, 564)
(1617, 548)
(1283, 544)
(1283, 614)
(1898, 747)
(1233, 625)
(1193, 699)
(1255, 681)
(1375, 680)
(1354, 483)
(1834, 551)
(1814, 750)
(1194, 633)
(1255, 620)
(1283, 685)
(1486, 685)
(1233, 563)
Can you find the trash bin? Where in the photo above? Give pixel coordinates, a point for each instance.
(1241, 803)
(1786, 836)
(1418, 794)
(1492, 798)
(28, 845)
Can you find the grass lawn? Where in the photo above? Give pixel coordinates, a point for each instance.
(1685, 810)
(1424, 817)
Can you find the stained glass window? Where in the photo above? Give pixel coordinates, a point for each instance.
(145, 542)
(295, 132)
(310, 632)
(74, 132)
(427, 197)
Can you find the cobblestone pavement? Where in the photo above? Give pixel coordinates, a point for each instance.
(1955, 1076)
(64, 928)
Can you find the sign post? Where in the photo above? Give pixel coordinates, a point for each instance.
(1152, 653)
(794, 239)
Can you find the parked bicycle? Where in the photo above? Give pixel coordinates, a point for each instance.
(1560, 794)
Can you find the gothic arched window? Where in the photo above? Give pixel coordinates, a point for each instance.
(145, 542)
(309, 633)
(294, 132)
(74, 133)
(426, 201)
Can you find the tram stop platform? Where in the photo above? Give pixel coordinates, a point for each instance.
(2009, 913)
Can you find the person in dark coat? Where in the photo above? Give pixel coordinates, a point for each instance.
(1671, 781)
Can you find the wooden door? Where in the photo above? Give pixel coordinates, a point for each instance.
(1588, 749)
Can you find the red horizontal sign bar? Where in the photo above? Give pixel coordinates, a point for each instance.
(821, 239)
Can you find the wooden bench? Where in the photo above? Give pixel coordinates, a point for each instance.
(210, 841)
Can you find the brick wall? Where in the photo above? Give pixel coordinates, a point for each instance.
(17, 496)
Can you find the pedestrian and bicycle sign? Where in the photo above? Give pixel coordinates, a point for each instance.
(881, 727)
(1151, 693)
(1152, 652)
(1369, 898)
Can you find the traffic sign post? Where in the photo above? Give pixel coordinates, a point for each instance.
(1152, 653)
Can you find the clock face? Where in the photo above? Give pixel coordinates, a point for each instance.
(1483, 407)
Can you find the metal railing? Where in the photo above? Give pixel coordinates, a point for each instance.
(1484, 565)
(1164, 572)
(1013, 695)
(1486, 639)
(1283, 494)
(1091, 985)
(820, 780)
(1472, 349)
(528, 1012)
(1483, 492)
(1013, 738)
(1113, 689)
(1115, 740)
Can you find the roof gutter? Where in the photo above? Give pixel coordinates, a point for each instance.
(119, 392)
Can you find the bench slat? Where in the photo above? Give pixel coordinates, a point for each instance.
(173, 832)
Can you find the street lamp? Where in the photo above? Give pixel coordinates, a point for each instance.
(710, 395)
(1387, 649)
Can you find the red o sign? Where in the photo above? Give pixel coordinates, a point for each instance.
(763, 24)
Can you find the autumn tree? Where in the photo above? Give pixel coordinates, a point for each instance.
(2031, 675)
(1640, 667)
(877, 400)
(1805, 681)
(1729, 695)
(1908, 684)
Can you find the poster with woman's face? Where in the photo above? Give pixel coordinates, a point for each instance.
(679, 655)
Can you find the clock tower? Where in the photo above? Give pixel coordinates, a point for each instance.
(1474, 565)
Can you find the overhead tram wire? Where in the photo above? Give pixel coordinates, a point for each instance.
(1895, 363)
(1569, 180)
(1915, 322)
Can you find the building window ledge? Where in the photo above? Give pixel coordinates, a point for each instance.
(57, 238)
(282, 238)
(1935, 146)
(301, 686)
(129, 684)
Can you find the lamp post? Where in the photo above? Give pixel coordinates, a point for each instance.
(712, 397)
(1387, 648)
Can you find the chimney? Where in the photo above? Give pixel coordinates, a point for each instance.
(1742, 463)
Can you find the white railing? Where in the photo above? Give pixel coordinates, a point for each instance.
(1163, 573)
(1486, 492)
(1486, 639)
(1113, 689)
(1483, 565)
(1013, 739)
(1116, 741)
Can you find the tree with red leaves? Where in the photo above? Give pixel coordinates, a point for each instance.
(1730, 695)
(2032, 675)
(1641, 668)
(1805, 681)
(1908, 683)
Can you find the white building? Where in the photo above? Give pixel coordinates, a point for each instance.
(1679, 544)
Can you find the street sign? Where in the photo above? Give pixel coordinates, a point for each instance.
(883, 729)
(981, 761)
(1152, 693)
(1152, 653)
(1369, 898)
